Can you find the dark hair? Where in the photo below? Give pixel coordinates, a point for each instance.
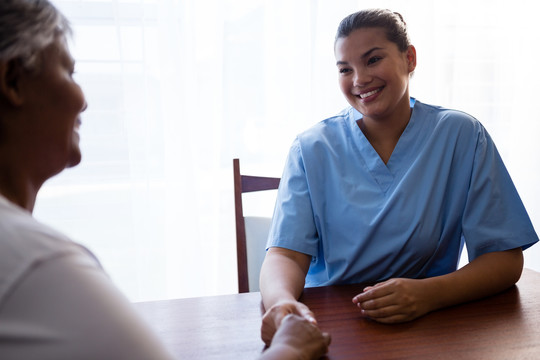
(391, 22)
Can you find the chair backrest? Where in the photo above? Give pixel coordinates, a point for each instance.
(251, 232)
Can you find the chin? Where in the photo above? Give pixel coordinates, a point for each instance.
(73, 163)
(74, 159)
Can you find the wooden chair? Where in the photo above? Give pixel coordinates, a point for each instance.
(250, 248)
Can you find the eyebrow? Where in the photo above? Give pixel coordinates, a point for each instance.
(366, 54)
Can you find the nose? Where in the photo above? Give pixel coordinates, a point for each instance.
(361, 78)
(85, 106)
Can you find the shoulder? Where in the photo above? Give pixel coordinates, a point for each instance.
(26, 244)
(446, 115)
(449, 121)
(331, 129)
(21, 232)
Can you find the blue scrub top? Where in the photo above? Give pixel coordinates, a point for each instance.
(365, 221)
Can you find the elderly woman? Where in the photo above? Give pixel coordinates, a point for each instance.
(56, 302)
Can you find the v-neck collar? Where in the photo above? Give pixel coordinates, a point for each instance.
(382, 173)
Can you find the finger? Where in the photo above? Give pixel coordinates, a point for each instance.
(378, 303)
(327, 338)
(308, 315)
(270, 323)
(383, 312)
(267, 333)
(268, 330)
(367, 288)
(373, 293)
(267, 338)
(311, 319)
(363, 297)
(279, 313)
(392, 319)
(366, 292)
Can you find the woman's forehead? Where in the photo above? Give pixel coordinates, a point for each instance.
(362, 40)
(365, 36)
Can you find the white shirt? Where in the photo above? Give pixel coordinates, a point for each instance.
(56, 302)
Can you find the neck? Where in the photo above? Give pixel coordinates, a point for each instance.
(384, 133)
(18, 189)
(388, 130)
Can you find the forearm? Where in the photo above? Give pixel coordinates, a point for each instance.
(484, 276)
(282, 276)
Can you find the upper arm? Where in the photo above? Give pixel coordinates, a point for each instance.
(293, 222)
(494, 217)
(68, 308)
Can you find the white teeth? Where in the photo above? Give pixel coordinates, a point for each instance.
(365, 95)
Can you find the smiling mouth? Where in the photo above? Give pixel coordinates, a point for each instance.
(369, 93)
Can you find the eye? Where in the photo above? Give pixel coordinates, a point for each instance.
(344, 71)
(373, 60)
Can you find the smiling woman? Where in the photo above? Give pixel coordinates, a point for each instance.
(388, 191)
(374, 76)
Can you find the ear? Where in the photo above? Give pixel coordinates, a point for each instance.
(411, 58)
(10, 81)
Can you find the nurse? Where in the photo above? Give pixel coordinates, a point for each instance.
(388, 191)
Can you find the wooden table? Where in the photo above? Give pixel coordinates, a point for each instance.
(505, 326)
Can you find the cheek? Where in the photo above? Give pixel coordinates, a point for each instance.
(344, 85)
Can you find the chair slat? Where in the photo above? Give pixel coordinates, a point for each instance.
(243, 184)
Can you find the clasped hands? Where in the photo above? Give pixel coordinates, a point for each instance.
(292, 325)
(274, 316)
(392, 301)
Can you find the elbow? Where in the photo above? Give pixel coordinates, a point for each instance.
(515, 268)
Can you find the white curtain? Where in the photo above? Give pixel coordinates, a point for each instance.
(177, 88)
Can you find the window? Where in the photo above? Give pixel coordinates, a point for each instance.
(176, 89)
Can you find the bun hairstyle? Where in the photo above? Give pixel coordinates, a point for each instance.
(392, 22)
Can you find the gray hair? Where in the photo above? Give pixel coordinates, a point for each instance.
(27, 27)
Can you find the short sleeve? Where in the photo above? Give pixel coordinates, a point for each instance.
(293, 225)
(494, 218)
